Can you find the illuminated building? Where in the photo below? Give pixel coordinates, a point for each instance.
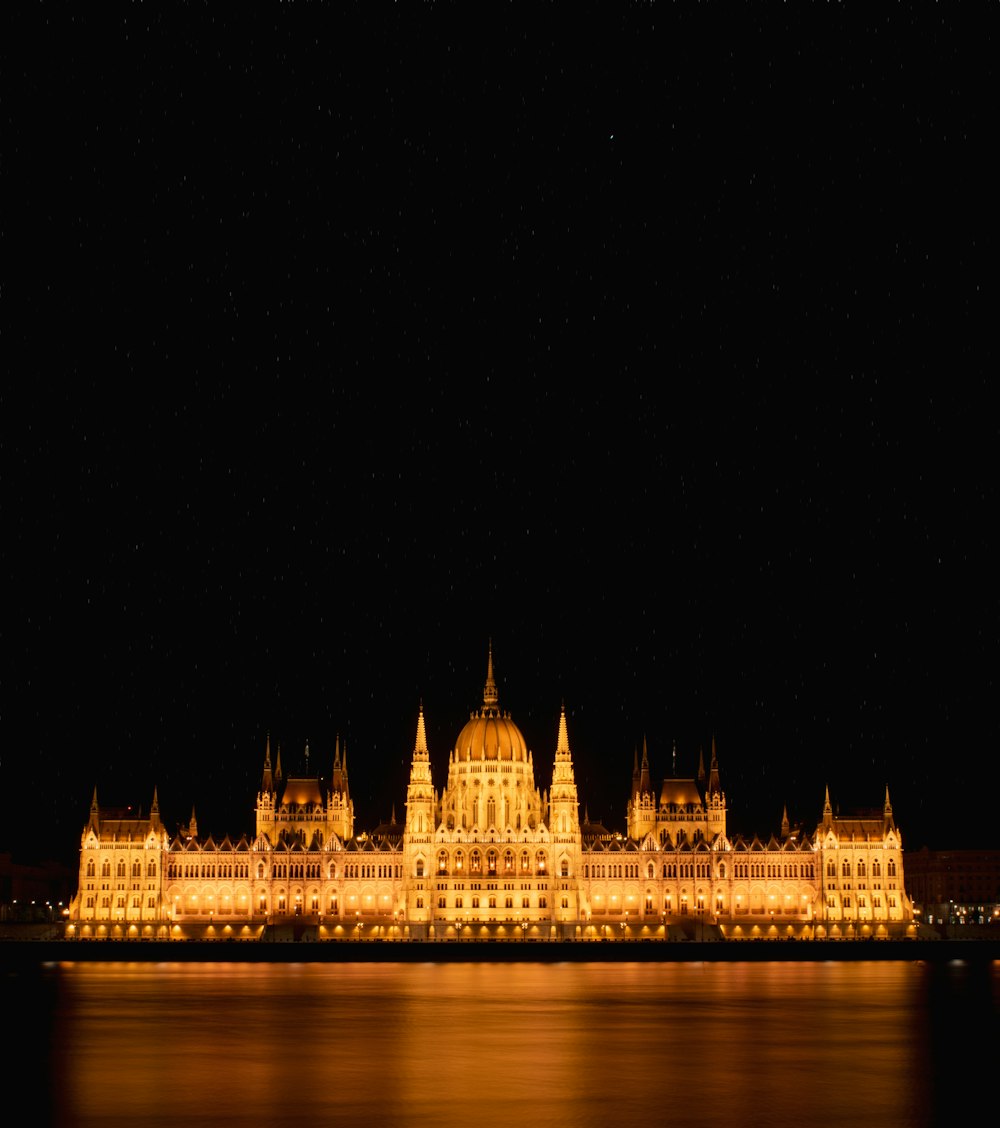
(491, 855)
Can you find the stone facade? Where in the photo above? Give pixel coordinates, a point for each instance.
(491, 856)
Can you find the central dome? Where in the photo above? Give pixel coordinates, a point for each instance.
(490, 734)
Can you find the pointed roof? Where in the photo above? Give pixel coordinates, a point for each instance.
(490, 696)
(562, 742)
(644, 780)
(420, 746)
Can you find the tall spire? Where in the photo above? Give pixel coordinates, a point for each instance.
(562, 742)
(645, 783)
(420, 747)
(490, 691)
(714, 784)
(267, 781)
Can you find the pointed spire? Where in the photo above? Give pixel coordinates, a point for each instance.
(827, 809)
(267, 780)
(701, 765)
(714, 784)
(306, 772)
(154, 811)
(784, 821)
(277, 770)
(420, 746)
(490, 697)
(645, 784)
(562, 742)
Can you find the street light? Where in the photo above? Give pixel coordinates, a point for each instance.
(357, 917)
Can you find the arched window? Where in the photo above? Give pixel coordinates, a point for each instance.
(459, 861)
(564, 868)
(525, 864)
(876, 868)
(90, 868)
(476, 861)
(442, 862)
(151, 869)
(491, 861)
(861, 869)
(420, 867)
(508, 861)
(541, 863)
(891, 868)
(845, 869)
(333, 870)
(831, 868)
(121, 867)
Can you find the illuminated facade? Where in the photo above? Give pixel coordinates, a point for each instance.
(490, 856)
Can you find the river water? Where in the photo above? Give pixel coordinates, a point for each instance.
(213, 1045)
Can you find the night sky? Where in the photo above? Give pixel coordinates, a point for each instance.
(654, 345)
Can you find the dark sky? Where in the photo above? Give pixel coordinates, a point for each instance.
(655, 346)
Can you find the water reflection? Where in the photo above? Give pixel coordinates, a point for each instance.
(490, 1044)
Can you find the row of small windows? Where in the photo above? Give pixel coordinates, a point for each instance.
(120, 869)
(773, 870)
(860, 871)
(495, 862)
(626, 869)
(313, 870)
(508, 902)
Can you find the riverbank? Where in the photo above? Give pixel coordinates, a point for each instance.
(16, 954)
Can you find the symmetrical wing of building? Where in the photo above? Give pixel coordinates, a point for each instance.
(490, 855)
